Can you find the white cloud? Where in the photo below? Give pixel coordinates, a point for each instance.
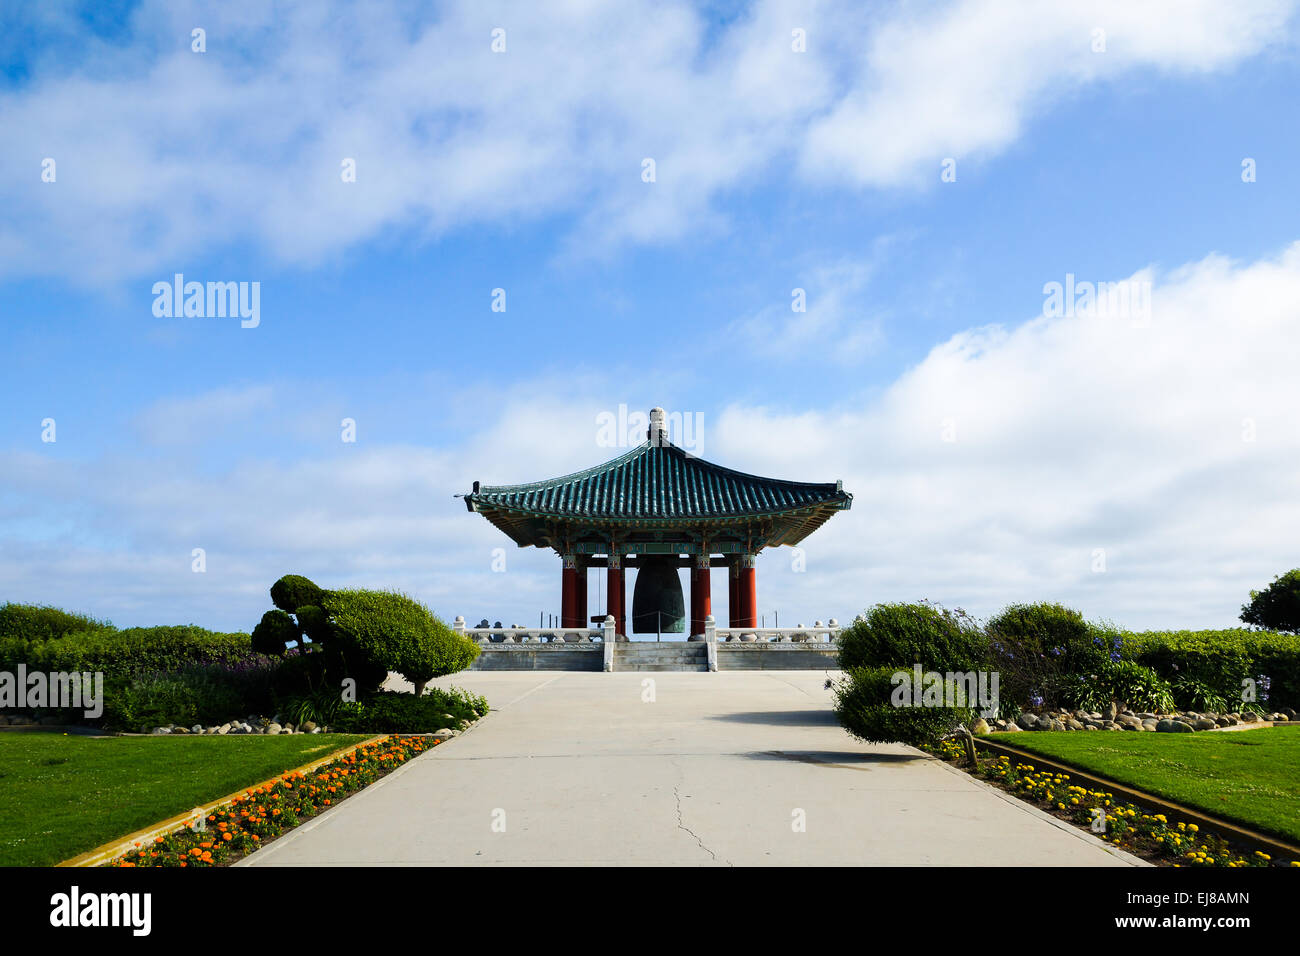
(962, 79)
(164, 154)
(1072, 434)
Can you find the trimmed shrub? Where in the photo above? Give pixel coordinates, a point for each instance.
(866, 706)
(900, 635)
(393, 630)
(314, 623)
(274, 633)
(294, 591)
(393, 713)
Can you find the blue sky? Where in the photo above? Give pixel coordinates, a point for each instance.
(775, 170)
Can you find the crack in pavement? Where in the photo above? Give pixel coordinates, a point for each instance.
(681, 826)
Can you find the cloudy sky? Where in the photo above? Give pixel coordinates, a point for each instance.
(654, 188)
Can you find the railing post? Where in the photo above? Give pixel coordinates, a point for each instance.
(710, 629)
(458, 625)
(607, 643)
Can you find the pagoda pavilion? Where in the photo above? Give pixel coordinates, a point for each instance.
(658, 508)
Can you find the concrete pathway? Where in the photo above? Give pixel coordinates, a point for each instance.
(693, 769)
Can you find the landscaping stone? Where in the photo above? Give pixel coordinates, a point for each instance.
(1026, 721)
(1204, 724)
(273, 728)
(1013, 728)
(308, 727)
(981, 726)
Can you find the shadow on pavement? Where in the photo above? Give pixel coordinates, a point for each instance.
(783, 718)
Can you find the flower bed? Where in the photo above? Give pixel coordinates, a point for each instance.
(236, 829)
(1129, 827)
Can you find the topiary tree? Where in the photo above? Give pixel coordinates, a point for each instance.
(392, 630)
(313, 623)
(294, 591)
(1277, 607)
(274, 633)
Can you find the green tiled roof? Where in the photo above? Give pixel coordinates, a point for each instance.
(657, 484)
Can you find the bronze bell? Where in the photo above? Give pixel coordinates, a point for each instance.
(657, 605)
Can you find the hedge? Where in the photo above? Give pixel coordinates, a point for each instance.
(31, 622)
(135, 650)
(1223, 659)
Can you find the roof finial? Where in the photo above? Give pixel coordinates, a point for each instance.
(657, 432)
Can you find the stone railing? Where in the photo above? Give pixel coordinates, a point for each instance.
(818, 633)
(536, 635)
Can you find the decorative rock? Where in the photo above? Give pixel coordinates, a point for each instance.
(981, 726)
(309, 727)
(445, 734)
(1013, 728)
(273, 727)
(1204, 724)
(1027, 721)
(1074, 724)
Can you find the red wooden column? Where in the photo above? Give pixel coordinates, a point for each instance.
(701, 599)
(580, 610)
(748, 588)
(614, 587)
(569, 592)
(733, 592)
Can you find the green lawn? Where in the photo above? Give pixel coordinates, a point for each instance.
(1251, 777)
(63, 795)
